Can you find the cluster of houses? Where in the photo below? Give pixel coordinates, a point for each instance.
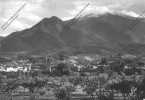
(90, 65)
(36, 63)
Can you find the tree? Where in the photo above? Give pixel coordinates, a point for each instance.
(140, 90)
(117, 66)
(90, 86)
(104, 61)
(61, 69)
(33, 85)
(75, 80)
(123, 86)
(91, 89)
(9, 86)
(63, 92)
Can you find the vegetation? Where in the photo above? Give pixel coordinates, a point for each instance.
(100, 80)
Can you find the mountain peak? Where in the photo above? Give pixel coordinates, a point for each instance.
(54, 17)
(48, 23)
(51, 19)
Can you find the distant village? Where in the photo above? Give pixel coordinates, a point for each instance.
(86, 64)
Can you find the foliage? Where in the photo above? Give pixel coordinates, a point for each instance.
(104, 61)
(9, 86)
(105, 97)
(63, 92)
(140, 90)
(33, 85)
(61, 69)
(93, 85)
(76, 80)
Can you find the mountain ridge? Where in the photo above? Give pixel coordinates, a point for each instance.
(104, 31)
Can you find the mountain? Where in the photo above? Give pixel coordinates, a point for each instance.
(135, 48)
(111, 27)
(91, 33)
(1, 38)
(114, 28)
(41, 37)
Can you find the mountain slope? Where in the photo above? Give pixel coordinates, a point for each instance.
(101, 33)
(42, 36)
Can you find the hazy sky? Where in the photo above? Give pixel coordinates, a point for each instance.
(35, 10)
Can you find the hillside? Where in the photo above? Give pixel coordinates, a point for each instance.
(102, 33)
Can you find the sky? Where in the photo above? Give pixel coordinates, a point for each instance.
(35, 10)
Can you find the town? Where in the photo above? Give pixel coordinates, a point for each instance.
(73, 77)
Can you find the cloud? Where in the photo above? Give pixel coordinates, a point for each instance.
(97, 9)
(17, 25)
(67, 18)
(137, 6)
(103, 6)
(130, 13)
